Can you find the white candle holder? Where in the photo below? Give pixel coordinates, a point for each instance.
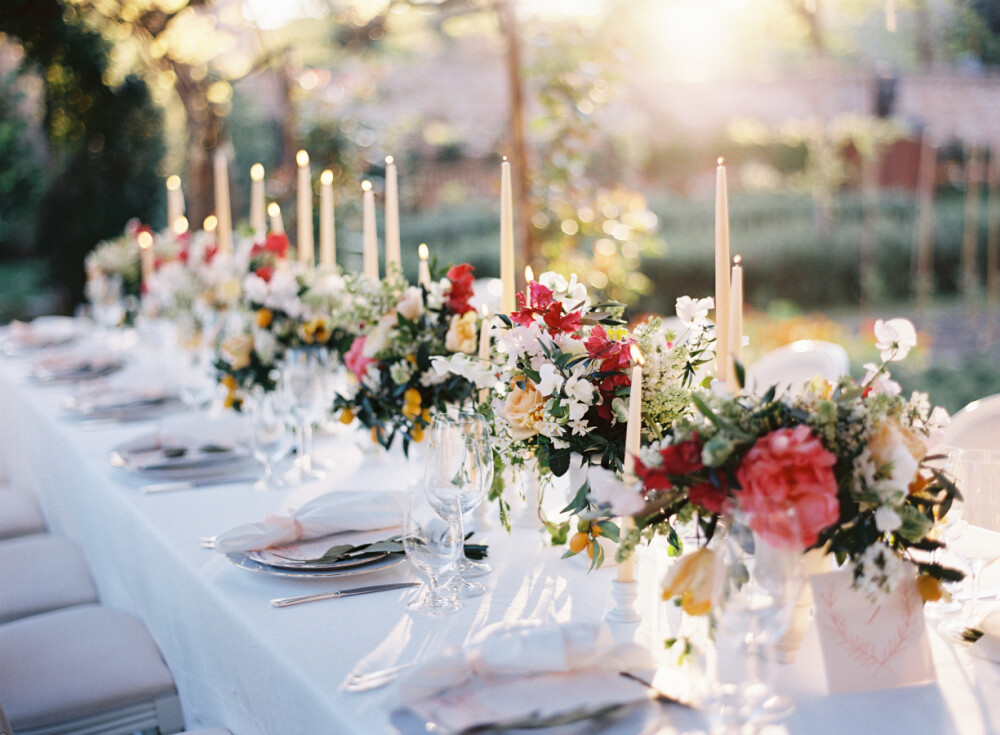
(625, 595)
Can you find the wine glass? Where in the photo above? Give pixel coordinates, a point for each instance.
(756, 588)
(459, 467)
(977, 537)
(269, 437)
(433, 543)
(301, 384)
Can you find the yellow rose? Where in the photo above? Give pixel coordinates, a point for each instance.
(691, 579)
(523, 410)
(236, 350)
(463, 334)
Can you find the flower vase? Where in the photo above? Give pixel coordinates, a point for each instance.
(814, 561)
(527, 498)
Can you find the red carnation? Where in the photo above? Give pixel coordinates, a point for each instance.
(265, 273)
(708, 496)
(461, 287)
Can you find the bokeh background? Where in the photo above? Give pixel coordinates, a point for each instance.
(858, 134)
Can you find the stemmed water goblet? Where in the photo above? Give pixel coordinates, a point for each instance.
(301, 385)
(460, 467)
(757, 583)
(433, 542)
(269, 435)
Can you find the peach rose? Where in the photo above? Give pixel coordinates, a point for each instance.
(789, 491)
(236, 350)
(411, 303)
(463, 335)
(523, 410)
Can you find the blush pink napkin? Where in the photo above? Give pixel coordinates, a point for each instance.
(322, 516)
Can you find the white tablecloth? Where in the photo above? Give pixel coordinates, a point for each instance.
(259, 670)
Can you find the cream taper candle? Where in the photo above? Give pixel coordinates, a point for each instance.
(633, 442)
(392, 253)
(223, 207)
(304, 241)
(146, 257)
(736, 314)
(257, 222)
(277, 222)
(327, 229)
(506, 239)
(175, 200)
(370, 234)
(423, 270)
(721, 273)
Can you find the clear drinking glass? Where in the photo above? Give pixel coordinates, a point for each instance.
(756, 589)
(433, 543)
(269, 435)
(976, 537)
(301, 385)
(459, 467)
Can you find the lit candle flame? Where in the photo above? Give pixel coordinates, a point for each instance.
(505, 159)
(389, 160)
(486, 311)
(326, 178)
(181, 225)
(273, 210)
(257, 172)
(145, 240)
(211, 222)
(423, 251)
(529, 275)
(302, 158)
(366, 186)
(637, 355)
(173, 182)
(721, 161)
(737, 259)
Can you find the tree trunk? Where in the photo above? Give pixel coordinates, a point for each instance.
(204, 128)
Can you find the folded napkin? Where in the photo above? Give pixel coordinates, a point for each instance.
(330, 513)
(525, 675)
(520, 649)
(988, 646)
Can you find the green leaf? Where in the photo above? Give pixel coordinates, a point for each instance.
(609, 530)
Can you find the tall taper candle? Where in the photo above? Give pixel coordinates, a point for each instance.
(370, 234)
(484, 335)
(721, 273)
(257, 222)
(506, 239)
(304, 241)
(392, 254)
(277, 222)
(180, 226)
(223, 208)
(146, 257)
(327, 230)
(175, 199)
(423, 270)
(633, 441)
(736, 314)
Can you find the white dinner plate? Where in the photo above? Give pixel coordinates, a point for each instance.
(181, 457)
(297, 556)
(240, 559)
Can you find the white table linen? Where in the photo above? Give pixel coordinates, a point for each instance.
(260, 670)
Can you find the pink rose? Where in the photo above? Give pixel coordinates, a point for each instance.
(788, 470)
(355, 359)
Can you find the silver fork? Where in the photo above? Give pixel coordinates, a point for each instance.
(375, 679)
(208, 542)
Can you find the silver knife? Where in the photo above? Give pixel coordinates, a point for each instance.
(287, 601)
(165, 487)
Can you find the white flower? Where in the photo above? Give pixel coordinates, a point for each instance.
(938, 420)
(881, 384)
(553, 281)
(895, 338)
(255, 288)
(607, 489)
(401, 371)
(411, 304)
(551, 379)
(690, 310)
(577, 410)
(878, 571)
(381, 337)
(581, 390)
(265, 345)
(887, 519)
(578, 426)
(472, 370)
(904, 467)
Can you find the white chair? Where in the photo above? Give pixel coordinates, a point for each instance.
(85, 670)
(977, 426)
(19, 514)
(790, 366)
(41, 573)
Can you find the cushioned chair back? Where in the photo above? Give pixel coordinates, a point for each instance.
(790, 366)
(4, 725)
(977, 426)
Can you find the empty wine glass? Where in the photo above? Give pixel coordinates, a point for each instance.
(460, 467)
(756, 588)
(433, 543)
(976, 538)
(301, 384)
(269, 436)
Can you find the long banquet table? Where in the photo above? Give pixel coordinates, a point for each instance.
(258, 670)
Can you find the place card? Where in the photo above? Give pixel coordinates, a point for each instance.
(869, 646)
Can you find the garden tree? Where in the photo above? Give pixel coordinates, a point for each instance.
(104, 141)
(21, 177)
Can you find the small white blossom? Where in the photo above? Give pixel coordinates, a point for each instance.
(882, 383)
(895, 338)
(607, 489)
(551, 379)
(580, 390)
(691, 310)
(887, 519)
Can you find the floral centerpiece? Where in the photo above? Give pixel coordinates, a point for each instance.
(564, 377)
(396, 333)
(285, 306)
(114, 272)
(848, 461)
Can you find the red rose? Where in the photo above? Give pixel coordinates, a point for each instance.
(708, 496)
(461, 288)
(682, 458)
(265, 272)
